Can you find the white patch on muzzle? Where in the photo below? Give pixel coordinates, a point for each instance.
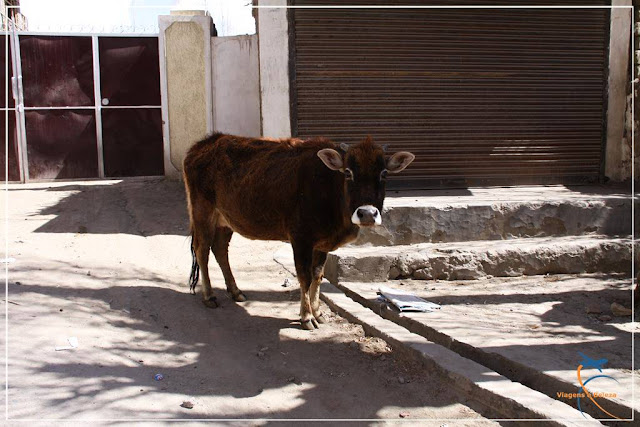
(366, 211)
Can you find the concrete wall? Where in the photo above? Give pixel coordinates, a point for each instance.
(618, 148)
(273, 40)
(185, 72)
(236, 85)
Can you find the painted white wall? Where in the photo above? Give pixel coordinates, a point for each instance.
(236, 85)
(274, 69)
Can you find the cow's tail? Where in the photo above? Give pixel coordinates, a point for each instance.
(195, 269)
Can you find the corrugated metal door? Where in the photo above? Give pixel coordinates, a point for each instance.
(481, 96)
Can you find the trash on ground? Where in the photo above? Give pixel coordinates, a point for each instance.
(619, 310)
(158, 377)
(73, 344)
(286, 283)
(187, 404)
(406, 301)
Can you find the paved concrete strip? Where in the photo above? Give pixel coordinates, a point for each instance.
(509, 398)
(510, 326)
(477, 259)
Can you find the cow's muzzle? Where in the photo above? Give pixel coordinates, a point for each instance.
(366, 215)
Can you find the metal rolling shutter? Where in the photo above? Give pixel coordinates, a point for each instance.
(481, 96)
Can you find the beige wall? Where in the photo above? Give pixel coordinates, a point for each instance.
(236, 85)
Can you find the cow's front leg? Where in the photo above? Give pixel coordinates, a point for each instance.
(303, 257)
(318, 260)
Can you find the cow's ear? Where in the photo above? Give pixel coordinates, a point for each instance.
(399, 161)
(331, 158)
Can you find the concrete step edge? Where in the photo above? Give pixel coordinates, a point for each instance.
(511, 369)
(511, 399)
(474, 260)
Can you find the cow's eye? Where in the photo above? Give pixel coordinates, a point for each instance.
(348, 175)
(383, 175)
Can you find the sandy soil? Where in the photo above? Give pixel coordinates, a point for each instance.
(107, 262)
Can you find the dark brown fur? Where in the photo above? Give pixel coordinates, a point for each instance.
(275, 190)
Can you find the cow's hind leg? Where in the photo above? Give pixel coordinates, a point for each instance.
(221, 252)
(202, 229)
(201, 247)
(302, 255)
(318, 261)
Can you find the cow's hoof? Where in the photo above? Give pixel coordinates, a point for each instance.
(309, 325)
(211, 302)
(321, 319)
(239, 298)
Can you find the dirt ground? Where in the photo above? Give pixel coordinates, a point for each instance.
(107, 262)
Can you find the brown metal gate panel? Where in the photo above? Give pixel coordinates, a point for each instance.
(481, 96)
(130, 77)
(57, 72)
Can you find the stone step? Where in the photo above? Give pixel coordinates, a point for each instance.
(478, 259)
(500, 213)
(530, 330)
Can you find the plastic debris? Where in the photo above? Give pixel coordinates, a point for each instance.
(158, 377)
(73, 344)
(406, 301)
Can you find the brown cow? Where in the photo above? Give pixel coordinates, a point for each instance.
(310, 193)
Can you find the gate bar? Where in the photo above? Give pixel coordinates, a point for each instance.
(19, 101)
(97, 103)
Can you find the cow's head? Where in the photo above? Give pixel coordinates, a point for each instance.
(365, 169)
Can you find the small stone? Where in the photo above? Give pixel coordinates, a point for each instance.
(605, 318)
(61, 310)
(187, 404)
(294, 380)
(260, 354)
(88, 273)
(593, 309)
(404, 414)
(620, 310)
(401, 380)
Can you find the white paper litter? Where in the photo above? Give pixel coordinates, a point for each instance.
(406, 301)
(73, 344)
